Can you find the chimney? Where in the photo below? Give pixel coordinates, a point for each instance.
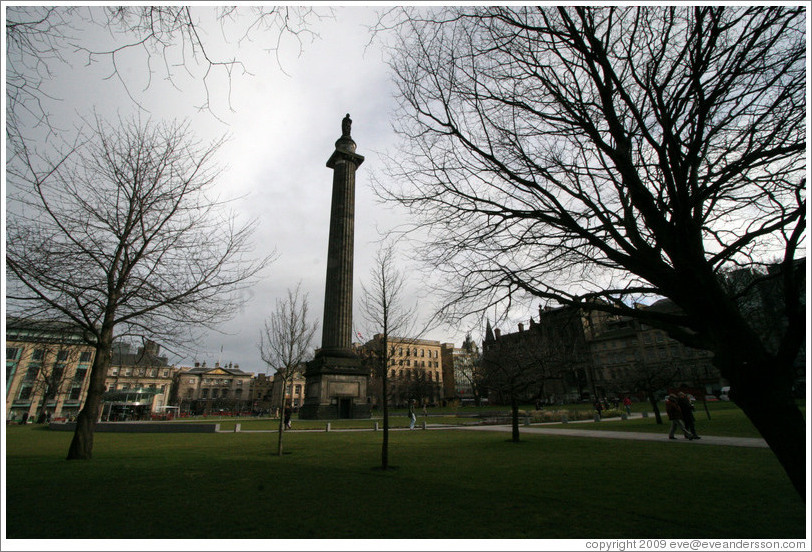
(521, 327)
(197, 365)
(217, 364)
(498, 333)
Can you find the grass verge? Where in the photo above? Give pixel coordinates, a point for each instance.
(448, 484)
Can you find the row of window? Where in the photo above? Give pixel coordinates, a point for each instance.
(412, 351)
(417, 363)
(408, 373)
(216, 393)
(37, 355)
(128, 387)
(142, 372)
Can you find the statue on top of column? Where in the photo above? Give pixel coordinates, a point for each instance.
(346, 123)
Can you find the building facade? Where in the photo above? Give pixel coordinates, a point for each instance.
(47, 368)
(632, 357)
(213, 390)
(139, 384)
(462, 378)
(550, 356)
(414, 370)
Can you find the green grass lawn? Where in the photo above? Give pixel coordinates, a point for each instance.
(447, 484)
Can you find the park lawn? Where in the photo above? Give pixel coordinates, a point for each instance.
(447, 484)
(726, 420)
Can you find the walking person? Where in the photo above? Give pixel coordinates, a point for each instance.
(675, 416)
(687, 411)
(287, 417)
(599, 407)
(412, 415)
(627, 402)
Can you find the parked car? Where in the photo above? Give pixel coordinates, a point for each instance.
(725, 395)
(711, 398)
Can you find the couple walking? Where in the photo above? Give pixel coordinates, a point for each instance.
(681, 414)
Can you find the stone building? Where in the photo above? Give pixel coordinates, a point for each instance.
(461, 371)
(628, 355)
(210, 390)
(139, 384)
(47, 367)
(415, 370)
(572, 355)
(551, 353)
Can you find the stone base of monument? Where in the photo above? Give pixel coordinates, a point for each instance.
(336, 388)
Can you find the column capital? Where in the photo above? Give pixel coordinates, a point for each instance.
(342, 154)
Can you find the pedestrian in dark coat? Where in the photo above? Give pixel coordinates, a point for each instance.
(287, 417)
(687, 411)
(675, 416)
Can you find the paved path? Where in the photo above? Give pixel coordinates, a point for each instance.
(539, 429)
(628, 435)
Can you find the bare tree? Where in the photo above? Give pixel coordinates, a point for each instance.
(120, 237)
(383, 309)
(511, 373)
(173, 40)
(616, 153)
(285, 341)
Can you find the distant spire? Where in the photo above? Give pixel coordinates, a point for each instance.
(489, 332)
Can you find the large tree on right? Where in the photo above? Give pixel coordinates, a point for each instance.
(596, 156)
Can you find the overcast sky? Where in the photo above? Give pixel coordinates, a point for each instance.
(282, 127)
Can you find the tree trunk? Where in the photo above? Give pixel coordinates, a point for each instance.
(514, 410)
(81, 446)
(769, 405)
(283, 402)
(653, 400)
(385, 444)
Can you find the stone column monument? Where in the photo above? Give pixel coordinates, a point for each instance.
(336, 381)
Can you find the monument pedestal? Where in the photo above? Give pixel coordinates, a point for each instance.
(335, 388)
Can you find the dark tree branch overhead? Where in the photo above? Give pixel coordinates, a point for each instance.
(121, 236)
(172, 39)
(595, 157)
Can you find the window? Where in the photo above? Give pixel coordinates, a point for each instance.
(191, 381)
(215, 393)
(225, 393)
(128, 371)
(239, 382)
(31, 373)
(114, 371)
(153, 373)
(125, 387)
(238, 393)
(38, 354)
(62, 356)
(204, 393)
(85, 356)
(80, 375)
(13, 353)
(165, 373)
(75, 393)
(392, 374)
(25, 393)
(423, 353)
(298, 390)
